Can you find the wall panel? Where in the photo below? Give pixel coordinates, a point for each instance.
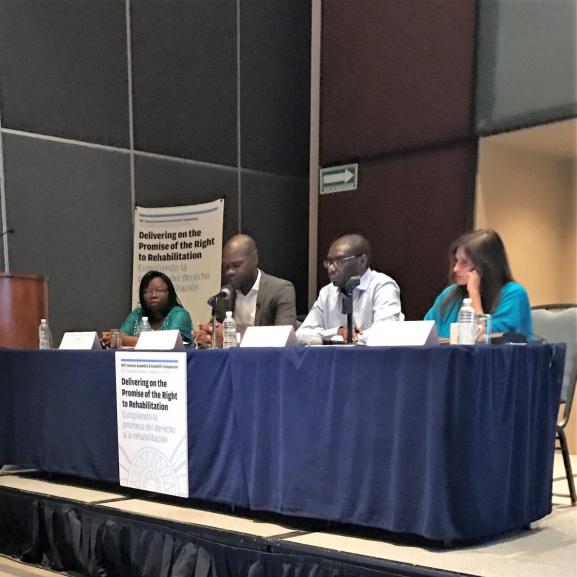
(275, 85)
(72, 217)
(527, 63)
(395, 75)
(274, 212)
(184, 78)
(396, 96)
(63, 69)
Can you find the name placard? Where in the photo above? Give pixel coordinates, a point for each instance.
(280, 336)
(151, 414)
(82, 341)
(402, 334)
(160, 341)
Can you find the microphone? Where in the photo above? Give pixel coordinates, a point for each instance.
(353, 282)
(347, 290)
(225, 292)
(7, 231)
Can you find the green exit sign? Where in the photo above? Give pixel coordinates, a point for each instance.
(339, 178)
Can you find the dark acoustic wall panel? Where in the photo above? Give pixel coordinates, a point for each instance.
(72, 216)
(275, 212)
(63, 68)
(169, 182)
(184, 78)
(410, 207)
(395, 75)
(275, 38)
(396, 96)
(527, 63)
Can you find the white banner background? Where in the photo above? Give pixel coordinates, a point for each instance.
(151, 415)
(185, 243)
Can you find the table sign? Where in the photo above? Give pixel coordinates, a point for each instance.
(84, 341)
(152, 417)
(160, 341)
(401, 334)
(279, 336)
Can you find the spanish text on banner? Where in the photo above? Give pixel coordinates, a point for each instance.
(152, 421)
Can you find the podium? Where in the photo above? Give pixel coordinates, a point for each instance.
(23, 302)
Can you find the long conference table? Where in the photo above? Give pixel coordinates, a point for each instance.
(448, 442)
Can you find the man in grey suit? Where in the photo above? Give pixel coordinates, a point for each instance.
(258, 299)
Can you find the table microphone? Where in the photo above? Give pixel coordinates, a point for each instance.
(7, 231)
(353, 282)
(225, 292)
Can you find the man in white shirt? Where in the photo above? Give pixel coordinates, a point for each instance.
(375, 299)
(258, 299)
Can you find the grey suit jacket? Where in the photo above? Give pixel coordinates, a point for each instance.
(275, 302)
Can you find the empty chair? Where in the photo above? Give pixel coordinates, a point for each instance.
(558, 323)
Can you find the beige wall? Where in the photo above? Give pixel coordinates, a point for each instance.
(530, 200)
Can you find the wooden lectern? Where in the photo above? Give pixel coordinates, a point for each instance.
(23, 302)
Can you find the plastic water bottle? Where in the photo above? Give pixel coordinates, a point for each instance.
(44, 335)
(467, 320)
(228, 331)
(144, 325)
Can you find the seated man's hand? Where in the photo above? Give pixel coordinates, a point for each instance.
(105, 339)
(343, 332)
(203, 335)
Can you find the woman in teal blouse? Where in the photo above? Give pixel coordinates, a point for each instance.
(479, 269)
(158, 302)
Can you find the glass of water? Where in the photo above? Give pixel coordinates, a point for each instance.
(115, 339)
(486, 324)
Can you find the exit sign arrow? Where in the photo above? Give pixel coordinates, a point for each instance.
(339, 178)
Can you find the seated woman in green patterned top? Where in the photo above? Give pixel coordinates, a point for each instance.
(158, 302)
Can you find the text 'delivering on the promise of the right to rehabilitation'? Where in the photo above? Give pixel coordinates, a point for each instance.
(152, 421)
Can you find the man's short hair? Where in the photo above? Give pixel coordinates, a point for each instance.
(358, 243)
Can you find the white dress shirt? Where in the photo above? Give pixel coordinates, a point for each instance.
(245, 306)
(376, 299)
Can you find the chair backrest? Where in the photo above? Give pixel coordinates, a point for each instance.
(556, 327)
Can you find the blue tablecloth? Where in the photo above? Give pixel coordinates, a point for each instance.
(444, 442)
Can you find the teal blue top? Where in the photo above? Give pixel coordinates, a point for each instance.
(512, 313)
(177, 319)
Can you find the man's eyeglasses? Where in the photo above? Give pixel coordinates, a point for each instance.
(149, 292)
(338, 261)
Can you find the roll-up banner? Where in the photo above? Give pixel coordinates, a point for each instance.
(185, 243)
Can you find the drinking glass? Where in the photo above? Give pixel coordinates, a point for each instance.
(486, 323)
(115, 339)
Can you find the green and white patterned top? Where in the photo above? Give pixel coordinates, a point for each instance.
(177, 319)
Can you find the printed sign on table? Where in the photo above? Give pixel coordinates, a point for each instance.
(152, 421)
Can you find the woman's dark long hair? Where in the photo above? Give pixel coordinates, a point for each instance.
(486, 251)
(172, 298)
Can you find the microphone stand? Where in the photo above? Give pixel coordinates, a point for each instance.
(348, 310)
(213, 325)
